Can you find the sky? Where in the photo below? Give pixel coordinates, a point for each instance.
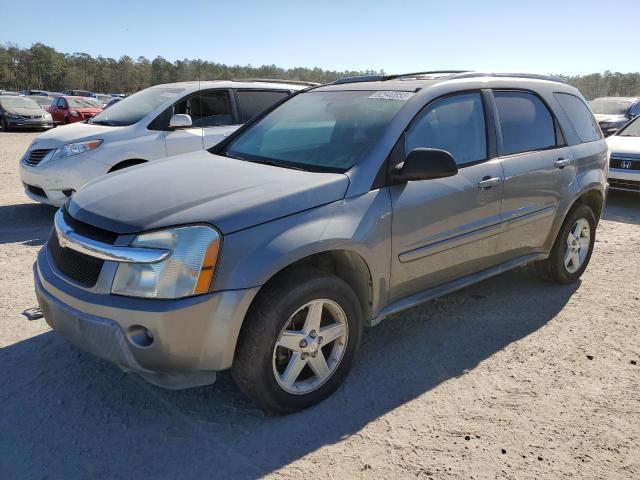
(547, 36)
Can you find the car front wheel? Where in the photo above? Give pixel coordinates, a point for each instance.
(298, 341)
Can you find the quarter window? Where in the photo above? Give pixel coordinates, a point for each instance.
(455, 124)
(252, 102)
(580, 117)
(525, 122)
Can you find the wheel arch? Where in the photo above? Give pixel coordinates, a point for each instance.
(345, 264)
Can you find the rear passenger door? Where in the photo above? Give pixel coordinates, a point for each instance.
(446, 228)
(538, 170)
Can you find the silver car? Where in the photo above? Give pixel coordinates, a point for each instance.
(624, 165)
(345, 204)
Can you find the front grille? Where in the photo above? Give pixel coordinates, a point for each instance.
(79, 267)
(34, 157)
(624, 163)
(37, 191)
(89, 231)
(75, 265)
(624, 184)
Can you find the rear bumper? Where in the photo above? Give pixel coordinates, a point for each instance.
(192, 338)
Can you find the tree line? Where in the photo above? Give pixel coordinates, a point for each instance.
(44, 68)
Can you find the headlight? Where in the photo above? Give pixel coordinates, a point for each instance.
(75, 148)
(47, 116)
(187, 271)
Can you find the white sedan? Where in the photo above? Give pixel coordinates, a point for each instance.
(154, 123)
(624, 165)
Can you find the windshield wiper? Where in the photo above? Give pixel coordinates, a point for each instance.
(277, 164)
(100, 122)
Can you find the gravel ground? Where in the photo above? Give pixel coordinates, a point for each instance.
(512, 378)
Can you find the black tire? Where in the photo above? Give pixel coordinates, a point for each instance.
(253, 367)
(126, 164)
(5, 125)
(553, 269)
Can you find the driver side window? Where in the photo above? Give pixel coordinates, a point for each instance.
(455, 124)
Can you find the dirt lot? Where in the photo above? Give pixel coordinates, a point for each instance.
(512, 378)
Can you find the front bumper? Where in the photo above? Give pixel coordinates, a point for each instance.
(57, 176)
(193, 338)
(623, 179)
(29, 123)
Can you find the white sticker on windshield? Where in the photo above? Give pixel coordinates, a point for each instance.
(392, 95)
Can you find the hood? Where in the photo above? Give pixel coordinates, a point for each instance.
(201, 188)
(602, 118)
(87, 110)
(28, 112)
(74, 132)
(624, 145)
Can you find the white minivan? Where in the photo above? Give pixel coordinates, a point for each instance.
(154, 123)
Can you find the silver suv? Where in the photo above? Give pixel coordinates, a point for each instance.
(346, 203)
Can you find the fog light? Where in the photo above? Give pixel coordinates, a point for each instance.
(139, 336)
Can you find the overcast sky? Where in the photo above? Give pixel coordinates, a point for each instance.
(555, 36)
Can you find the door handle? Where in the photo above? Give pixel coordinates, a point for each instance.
(562, 162)
(488, 182)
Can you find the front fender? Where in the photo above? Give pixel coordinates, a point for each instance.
(360, 224)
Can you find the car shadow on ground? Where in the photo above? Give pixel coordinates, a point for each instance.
(622, 207)
(28, 223)
(69, 415)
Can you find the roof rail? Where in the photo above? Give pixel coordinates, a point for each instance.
(534, 76)
(276, 80)
(382, 78)
(424, 74)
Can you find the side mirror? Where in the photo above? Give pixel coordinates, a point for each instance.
(180, 120)
(425, 164)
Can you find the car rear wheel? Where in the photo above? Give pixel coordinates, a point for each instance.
(4, 125)
(572, 249)
(298, 341)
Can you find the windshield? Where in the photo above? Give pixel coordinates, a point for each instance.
(83, 103)
(134, 108)
(610, 106)
(319, 131)
(19, 102)
(632, 129)
(42, 100)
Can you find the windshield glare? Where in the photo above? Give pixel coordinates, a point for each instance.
(132, 109)
(19, 102)
(319, 131)
(609, 106)
(632, 129)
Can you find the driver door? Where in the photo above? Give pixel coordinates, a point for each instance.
(446, 228)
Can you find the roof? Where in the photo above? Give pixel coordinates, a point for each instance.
(420, 80)
(250, 83)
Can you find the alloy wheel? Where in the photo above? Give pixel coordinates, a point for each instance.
(310, 346)
(577, 248)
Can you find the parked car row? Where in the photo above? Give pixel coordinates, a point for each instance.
(332, 208)
(155, 123)
(612, 113)
(22, 112)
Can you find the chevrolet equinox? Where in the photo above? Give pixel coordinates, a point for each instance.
(269, 253)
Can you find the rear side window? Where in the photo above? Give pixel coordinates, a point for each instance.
(455, 124)
(525, 122)
(580, 117)
(252, 102)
